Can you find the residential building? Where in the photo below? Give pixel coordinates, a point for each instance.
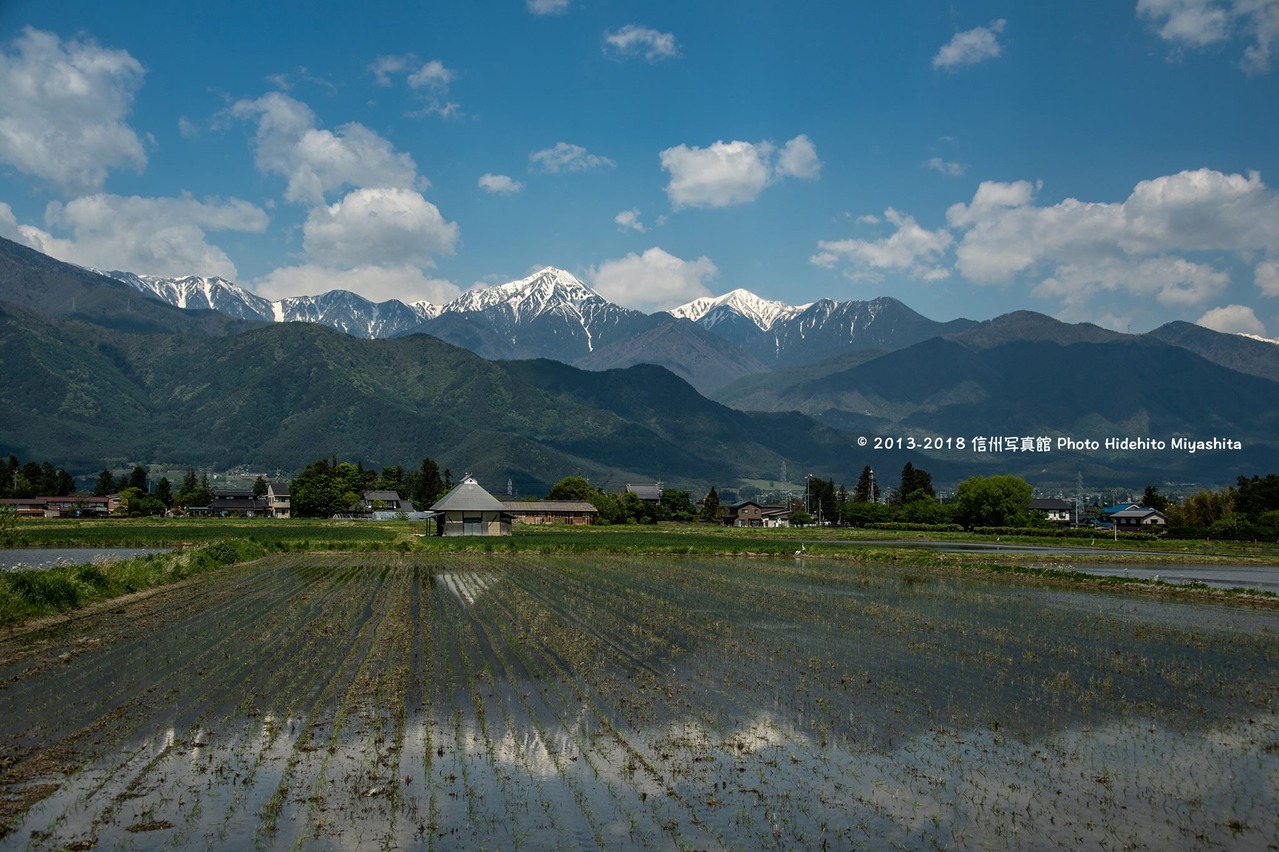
(1139, 519)
(387, 501)
(1054, 509)
(747, 513)
(277, 500)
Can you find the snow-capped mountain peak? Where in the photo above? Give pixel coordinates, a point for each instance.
(764, 313)
(546, 289)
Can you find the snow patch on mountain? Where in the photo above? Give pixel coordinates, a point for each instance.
(547, 290)
(764, 313)
(548, 293)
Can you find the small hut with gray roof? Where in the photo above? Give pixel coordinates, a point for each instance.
(470, 510)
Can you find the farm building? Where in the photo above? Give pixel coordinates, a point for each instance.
(470, 510)
(574, 512)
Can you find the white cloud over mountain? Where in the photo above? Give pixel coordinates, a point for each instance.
(63, 110)
(1170, 240)
(1233, 319)
(153, 236)
(909, 248)
(654, 280)
(378, 225)
(376, 237)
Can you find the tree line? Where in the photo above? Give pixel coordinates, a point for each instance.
(34, 479)
(327, 487)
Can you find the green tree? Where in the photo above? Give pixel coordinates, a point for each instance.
(259, 488)
(915, 483)
(1258, 495)
(105, 484)
(391, 479)
(138, 478)
(1151, 498)
(164, 491)
(326, 488)
(1203, 508)
(993, 501)
(679, 504)
(821, 501)
(866, 491)
(571, 488)
(203, 495)
(317, 492)
(922, 509)
(187, 489)
(711, 509)
(425, 486)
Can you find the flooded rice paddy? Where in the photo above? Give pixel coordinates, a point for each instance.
(517, 701)
(38, 558)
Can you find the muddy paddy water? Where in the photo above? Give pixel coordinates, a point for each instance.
(519, 701)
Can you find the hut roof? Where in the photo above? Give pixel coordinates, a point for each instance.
(467, 496)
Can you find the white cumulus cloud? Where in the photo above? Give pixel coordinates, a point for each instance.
(635, 40)
(1005, 233)
(317, 162)
(910, 248)
(970, 47)
(499, 184)
(653, 281)
(378, 226)
(565, 157)
(63, 106)
(1199, 23)
(153, 236)
(1233, 319)
(1171, 281)
(1266, 276)
(798, 158)
(728, 173)
(629, 220)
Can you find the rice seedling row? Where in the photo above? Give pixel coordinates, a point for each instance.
(523, 700)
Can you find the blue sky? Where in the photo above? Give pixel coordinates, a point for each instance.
(1110, 162)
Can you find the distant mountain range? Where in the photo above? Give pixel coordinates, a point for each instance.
(558, 380)
(552, 314)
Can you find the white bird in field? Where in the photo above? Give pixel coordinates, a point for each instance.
(800, 552)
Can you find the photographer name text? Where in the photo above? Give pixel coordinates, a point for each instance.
(1046, 444)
